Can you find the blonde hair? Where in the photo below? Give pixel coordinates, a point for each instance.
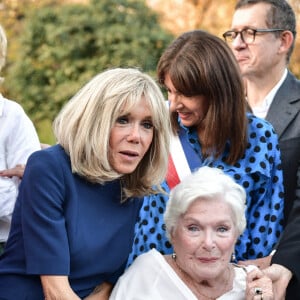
(3, 49)
(83, 128)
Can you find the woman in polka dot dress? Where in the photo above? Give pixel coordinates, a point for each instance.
(209, 114)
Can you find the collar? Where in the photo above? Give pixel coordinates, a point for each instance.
(262, 110)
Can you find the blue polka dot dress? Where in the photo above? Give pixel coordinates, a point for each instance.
(258, 171)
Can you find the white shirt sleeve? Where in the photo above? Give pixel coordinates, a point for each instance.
(18, 139)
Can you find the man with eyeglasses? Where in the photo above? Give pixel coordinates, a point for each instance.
(262, 37)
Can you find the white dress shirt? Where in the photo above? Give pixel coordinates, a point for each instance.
(18, 139)
(262, 110)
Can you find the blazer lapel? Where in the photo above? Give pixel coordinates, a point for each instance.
(286, 104)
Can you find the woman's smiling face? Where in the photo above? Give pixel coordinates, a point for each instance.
(191, 110)
(204, 238)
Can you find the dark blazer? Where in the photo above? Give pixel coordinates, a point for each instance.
(288, 249)
(284, 115)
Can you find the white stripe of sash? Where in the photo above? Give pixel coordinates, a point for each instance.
(179, 158)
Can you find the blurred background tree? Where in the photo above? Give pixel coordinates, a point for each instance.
(55, 46)
(63, 46)
(215, 16)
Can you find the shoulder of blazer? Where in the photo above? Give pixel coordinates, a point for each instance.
(286, 105)
(289, 92)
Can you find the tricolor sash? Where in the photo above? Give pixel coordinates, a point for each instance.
(183, 159)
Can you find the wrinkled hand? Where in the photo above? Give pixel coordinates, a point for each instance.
(261, 263)
(280, 277)
(101, 292)
(17, 171)
(256, 279)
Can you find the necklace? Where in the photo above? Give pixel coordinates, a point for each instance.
(191, 283)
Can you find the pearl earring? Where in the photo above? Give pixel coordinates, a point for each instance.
(233, 257)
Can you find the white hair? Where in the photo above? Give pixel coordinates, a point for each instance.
(206, 183)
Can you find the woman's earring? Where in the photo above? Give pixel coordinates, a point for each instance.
(233, 257)
(173, 256)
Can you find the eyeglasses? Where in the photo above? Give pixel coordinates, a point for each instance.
(247, 34)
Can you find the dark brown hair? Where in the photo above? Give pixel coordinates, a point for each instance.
(200, 63)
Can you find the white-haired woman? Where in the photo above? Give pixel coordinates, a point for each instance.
(204, 217)
(73, 223)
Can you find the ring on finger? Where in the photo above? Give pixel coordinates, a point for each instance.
(258, 291)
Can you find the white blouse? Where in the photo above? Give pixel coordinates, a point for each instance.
(151, 277)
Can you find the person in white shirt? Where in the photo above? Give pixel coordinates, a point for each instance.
(204, 217)
(18, 139)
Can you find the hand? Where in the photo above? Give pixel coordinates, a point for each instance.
(261, 263)
(101, 292)
(259, 286)
(280, 277)
(57, 287)
(17, 171)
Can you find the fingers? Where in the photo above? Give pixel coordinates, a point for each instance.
(258, 293)
(17, 171)
(280, 277)
(276, 272)
(272, 281)
(104, 288)
(255, 274)
(259, 286)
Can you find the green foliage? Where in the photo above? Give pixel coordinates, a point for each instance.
(63, 47)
